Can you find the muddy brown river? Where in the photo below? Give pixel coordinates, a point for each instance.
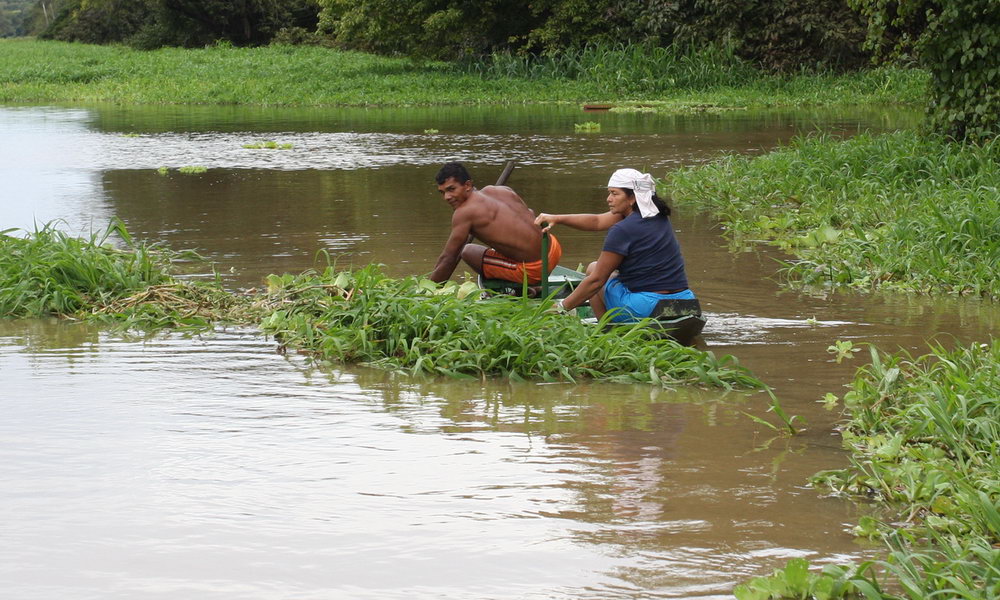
(212, 467)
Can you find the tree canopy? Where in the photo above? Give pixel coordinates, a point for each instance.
(958, 41)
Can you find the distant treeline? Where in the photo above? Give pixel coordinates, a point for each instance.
(775, 34)
(13, 17)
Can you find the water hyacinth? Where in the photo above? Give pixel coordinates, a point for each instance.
(415, 325)
(924, 437)
(895, 212)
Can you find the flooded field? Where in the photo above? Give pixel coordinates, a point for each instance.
(214, 467)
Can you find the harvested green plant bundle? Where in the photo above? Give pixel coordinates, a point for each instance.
(52, 273)
(413, 324)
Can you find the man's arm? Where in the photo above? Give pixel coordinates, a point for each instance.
(461, 234)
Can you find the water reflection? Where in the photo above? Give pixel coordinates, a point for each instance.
(127, 472)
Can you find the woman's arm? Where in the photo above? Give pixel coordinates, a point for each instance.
(607, 263)
(582, 221)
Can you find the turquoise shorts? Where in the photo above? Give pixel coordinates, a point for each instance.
(633, 306)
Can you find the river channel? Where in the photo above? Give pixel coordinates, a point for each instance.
(213, 467)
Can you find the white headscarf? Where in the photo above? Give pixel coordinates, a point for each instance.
(640, 183)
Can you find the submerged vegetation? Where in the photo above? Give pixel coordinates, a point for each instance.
(896, 212)
(923, 435)
(35, 71)
(364, 316)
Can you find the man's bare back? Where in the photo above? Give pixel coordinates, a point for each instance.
(496, 215)
(500, 219)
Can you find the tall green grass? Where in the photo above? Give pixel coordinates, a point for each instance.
(924, 437)
(49, 272)
(413, 325)
(46, 71)
(630, 69)
(713, 74)
(899, 211)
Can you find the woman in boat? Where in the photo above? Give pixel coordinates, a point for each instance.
(641, 262)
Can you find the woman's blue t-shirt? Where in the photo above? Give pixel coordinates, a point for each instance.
(652, 257)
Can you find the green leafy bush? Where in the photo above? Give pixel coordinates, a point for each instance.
(958, 42)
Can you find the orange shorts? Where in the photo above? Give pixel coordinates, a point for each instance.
(498, 266)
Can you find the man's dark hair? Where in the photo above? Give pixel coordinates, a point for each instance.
(452, 169)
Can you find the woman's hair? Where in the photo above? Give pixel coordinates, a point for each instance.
(657, 202)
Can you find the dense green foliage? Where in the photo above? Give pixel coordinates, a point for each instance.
(898, 211)
(958, 42)
(774, 33)
(155, 23)
(778, 34)
(414, 324)
(36, 71)
(49, 273)
(924, 437)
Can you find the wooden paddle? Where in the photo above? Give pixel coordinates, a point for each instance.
(506, 172)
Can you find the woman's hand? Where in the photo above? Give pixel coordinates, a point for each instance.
(546, 221)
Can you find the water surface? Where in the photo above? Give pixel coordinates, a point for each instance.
(214, 467)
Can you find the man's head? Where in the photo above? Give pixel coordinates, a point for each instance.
(454, 183)
(455, 170)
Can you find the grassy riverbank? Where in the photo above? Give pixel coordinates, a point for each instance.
(42, 71)
(894, 212)
(364, 317)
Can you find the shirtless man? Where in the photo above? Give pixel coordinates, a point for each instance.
(497, 216)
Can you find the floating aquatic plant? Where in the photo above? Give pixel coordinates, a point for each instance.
(413, 324)
(431, 131)
(588, 127)
(192, 169)
(51, 273)
(924, 435)
(268, 145)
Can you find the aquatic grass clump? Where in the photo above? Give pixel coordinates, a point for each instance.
(924, 437)
(268, 145)
(898, 211)
(414, 325)
(51, 273)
